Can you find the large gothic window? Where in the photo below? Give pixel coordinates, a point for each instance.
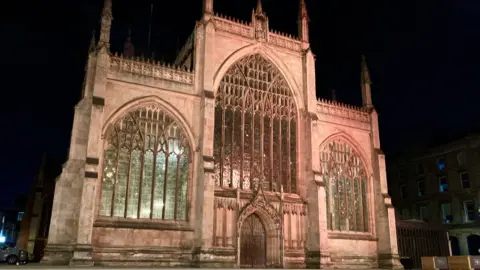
(255, 128)
(146, 167)
(346, 182)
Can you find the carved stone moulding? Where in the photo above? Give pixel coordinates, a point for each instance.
(342, 111)
(148, 69)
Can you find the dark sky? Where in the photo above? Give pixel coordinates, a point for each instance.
(423, 57)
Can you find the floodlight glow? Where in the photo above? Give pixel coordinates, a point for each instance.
(2, 239)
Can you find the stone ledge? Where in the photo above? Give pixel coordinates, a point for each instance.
(351, 236)
(142, 224)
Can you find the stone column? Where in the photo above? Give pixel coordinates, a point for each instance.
(463, 243)
(90, 181)
(384, 213)
(204, 63)
(67, 197)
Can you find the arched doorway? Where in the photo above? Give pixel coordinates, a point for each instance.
(455, 245)
(253, 243)
(473, 241)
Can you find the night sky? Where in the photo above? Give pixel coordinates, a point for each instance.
(423, 57)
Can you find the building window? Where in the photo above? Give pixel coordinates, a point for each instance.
(405, 214)
(443, 182)
(447, 216)
(461, 159)
(421, 187)
(403, 191)
(465, 178)
(20, 216)
(441, 164)
(145, 167)
(424, 213)
(346, 180)
(469, 208)
(420, 169)
(255, 128)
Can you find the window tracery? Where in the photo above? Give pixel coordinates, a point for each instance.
(346, 188)
(146, 167)
(255, 127)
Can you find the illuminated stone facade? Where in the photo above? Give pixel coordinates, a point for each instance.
(224, 159)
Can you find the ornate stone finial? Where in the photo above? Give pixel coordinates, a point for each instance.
(259, 9)
(128, 48)
(334, 95)
(365, 72)
(208, 7)
(365, 84)
(92, 43)
(302, 22)
(106, 24)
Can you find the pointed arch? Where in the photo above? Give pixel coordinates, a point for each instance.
(345, 137)
(347, 177)
(146, 163)
(269, 55)
(256, 120)
(145, 102)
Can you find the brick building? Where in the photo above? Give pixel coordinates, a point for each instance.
(225, 158)
(441, 185)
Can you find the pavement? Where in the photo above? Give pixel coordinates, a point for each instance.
(34, 266)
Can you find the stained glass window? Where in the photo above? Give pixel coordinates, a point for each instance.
(255, 128)
(346, 182)
(145, 167)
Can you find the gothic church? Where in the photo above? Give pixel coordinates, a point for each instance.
(225, 159)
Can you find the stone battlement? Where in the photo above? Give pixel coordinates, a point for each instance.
(149, 68)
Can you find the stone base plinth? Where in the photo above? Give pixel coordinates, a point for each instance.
(82, 256)
(141, 257)
(352, 262)
(214, 258)
(57, 254)
(389, 261)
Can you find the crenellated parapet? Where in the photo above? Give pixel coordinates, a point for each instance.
(153, 69)
(245, 29)
(336, 108)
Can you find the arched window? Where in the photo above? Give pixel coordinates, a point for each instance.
(346, 182)
(255, 127)
(145, 167)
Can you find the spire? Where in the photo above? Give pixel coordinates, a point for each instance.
(303, 20)
(208, 7)
(92, 43)
(366, 84)
(128, 48)
(259, 9)
(106, 24)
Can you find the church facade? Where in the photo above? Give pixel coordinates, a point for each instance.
(224, 159)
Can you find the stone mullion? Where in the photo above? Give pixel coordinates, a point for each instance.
(242, 140)
(272, 123)
(360, 190)
(289, 158)
(280, 172)
(165, 180)
(252, 142)
(232, 159)
(112, 207)
(128, 180)
(154, 178)
(177, 180)
(222, 142)
(262, 130)
(346, 201)
(352, 195)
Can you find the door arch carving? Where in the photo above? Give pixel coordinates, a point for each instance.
(271, 221)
